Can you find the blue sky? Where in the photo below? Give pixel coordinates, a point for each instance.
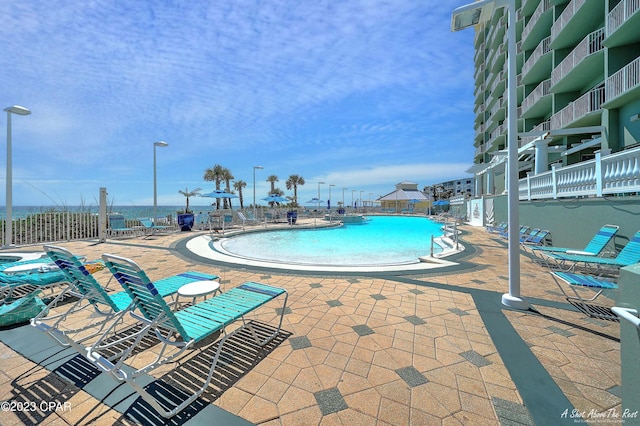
(358, 94)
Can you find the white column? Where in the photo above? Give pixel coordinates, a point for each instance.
(541, 156)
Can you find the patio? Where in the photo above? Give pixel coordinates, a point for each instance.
(428, 348)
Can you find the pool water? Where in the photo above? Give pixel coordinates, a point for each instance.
(380, 240)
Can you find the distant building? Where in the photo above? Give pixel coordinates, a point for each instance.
(406, 198)
(452, 188)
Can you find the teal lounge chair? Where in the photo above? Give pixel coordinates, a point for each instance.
(535, 239)
(182, 329)
(594, 248)
(245, 220)
(118, 227)
(629, 255)
(497, 229)
(150, 228)
(586, 305)
(108, 308)
(21, 310)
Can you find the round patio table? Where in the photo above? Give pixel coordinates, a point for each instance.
(198, 289)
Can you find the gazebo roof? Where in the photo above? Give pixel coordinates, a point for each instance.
(404, 195)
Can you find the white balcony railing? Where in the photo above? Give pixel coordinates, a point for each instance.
(542, 8)
(625, 79)
(538, 93)
(566, 16)
(620, 13)
(617, 173)
(589, 45)
(589, 102)
(541, 50)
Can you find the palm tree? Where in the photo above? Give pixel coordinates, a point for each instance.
(215, 175)
(227, 177)
(239, 185)
(293, 182)
(272, 180)
(188, 194)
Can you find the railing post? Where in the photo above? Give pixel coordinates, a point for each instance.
(599, 173)
(528, 186)
(554, 182)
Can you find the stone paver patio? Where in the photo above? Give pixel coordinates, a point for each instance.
(420, 349)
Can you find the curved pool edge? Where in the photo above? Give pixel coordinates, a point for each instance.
(200, 247)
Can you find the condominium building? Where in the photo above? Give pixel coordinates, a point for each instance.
(578, 89)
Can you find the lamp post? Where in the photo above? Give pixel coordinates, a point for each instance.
(329, 199)
(319, 183)
(254, 188)
(352, 192)
(361, 202)
(155, 181)
(343, 189)
(475, 14)
(16, 109)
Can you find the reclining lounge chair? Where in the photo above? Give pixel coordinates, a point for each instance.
(107, 308)
(586, 305)
(182, 329)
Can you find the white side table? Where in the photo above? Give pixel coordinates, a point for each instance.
(198, 289)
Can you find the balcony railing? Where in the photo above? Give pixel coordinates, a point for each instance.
(617, 173)
(589, 102)
(541, 50)
(497, 132)
(589, 45)
(538, 93)
(542, 8)
(566, 16)
(620, 13)
(625, 79)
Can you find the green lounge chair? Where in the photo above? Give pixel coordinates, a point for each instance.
(586, 305)
(151, 228)
(118, 227)
(108, 307)
(629, 255)
(182, 329)
(593, 248)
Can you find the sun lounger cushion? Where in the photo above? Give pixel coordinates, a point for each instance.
(21, 310)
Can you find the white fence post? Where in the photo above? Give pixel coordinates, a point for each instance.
(554, 184)
(599, 174)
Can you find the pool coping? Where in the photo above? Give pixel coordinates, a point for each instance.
(454, 263)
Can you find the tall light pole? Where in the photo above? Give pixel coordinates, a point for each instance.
(319, 183)
(254, 188)
(464, 17)
(329, 199)
(161, 144)
(352, 192)
(16, 109)
(343, 189)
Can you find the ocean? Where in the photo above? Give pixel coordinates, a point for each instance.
(129, 212)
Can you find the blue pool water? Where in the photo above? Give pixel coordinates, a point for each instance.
(380, 240)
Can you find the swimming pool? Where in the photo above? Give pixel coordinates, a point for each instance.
(380, 240)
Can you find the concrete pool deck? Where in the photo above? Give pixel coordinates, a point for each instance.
(434, 347)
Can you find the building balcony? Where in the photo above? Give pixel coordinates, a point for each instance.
(584, 111)
(538, 65)
(622, 24)
(538, 25)
(539, 101)
(578, 19)
(623, 86)
(582, 66)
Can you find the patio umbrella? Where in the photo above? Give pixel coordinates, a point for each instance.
(441, 203)
(275, 199)
(317, 202)
(220, 193)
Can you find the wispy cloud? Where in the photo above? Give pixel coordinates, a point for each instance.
(234, 82)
